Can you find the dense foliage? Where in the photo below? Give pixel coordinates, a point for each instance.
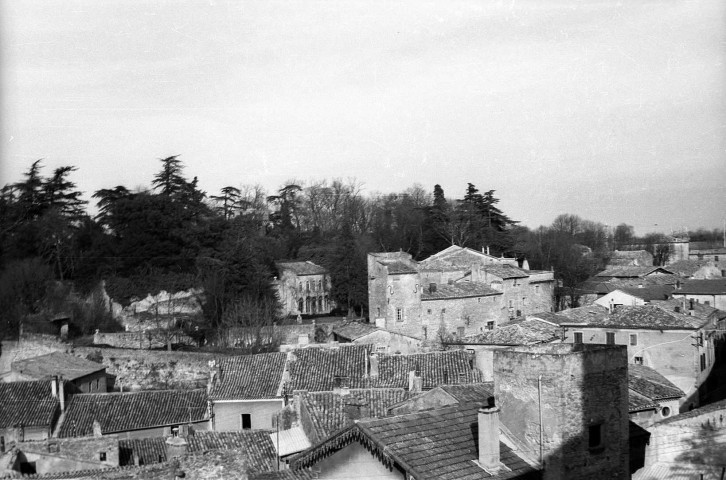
(174, 236)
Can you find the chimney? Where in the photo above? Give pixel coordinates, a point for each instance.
(487, 249)
(489, 438)
(374, 365)
(54, 386)
(62, 394)
(97, 429)
(414, 382)
(176, 447)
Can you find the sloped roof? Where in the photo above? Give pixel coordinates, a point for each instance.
(518, 332)
(689, 267)
(399, 267)
(354, 330)
(640, 317)
(505, 271)
(27, 403)
(551, 317)
(292, 440)
(301, 268)
(458, 290)
(315, 369)
(647, 387)
(68, 366)
(716, 286)
(250, 377)
(631, 271)
(434, 368)
(119, 412)
(650, 292)
(435, 444)
(328, 412)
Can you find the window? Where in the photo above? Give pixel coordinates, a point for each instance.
(382, 348)
(460, 332)
(490, 325)
(594, 437)
(2, 444)
(638, 360)
(610, 338)
(478, 300)
(578, 337)
(425, 332)
(320, 284)
(428, 311)
(399, 314)
(666, 411)
(715, 258)
(511, 304)
(98, 383)
(633, 339)
(102, 456)
(246, 419)
(378, 312)
(443, 310)
(703, 361)
(707, 302)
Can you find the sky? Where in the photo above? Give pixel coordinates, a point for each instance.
(611, 110)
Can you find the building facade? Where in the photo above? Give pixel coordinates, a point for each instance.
(458, 291)
(303, 288)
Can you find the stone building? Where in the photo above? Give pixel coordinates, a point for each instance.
(29, 410)
(84, 375)
(303, 288)
(460, 289)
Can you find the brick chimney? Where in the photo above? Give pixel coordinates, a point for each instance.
(489, 458)
(54, 386)
(373, 365)
(62, 394)
(415, 383)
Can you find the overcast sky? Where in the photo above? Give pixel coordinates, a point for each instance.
(612, 110)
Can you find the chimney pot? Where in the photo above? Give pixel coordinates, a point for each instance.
(489, 455)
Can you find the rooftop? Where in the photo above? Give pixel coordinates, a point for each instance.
(689, 267)
(649, 292)
(68, 366)
(639, 317)
(505, 271)
(354, 330)
(250, 377)
(301, 268)
(458, 290)
(632, 271)
(434, 368)
(316, 369)
(435, 444)
(330, 412)
(119, 412)
(27, 403)
(517, 332)
(716, 286)
(648, 387)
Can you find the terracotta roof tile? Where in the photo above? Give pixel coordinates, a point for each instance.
(27, 403)
(315, 369)
(716, 286)
(521, 332)
(647, 387)
(330, 412)
(56, 363)
(301, 268)
(458, 290)
(640, 317)
(250, 377)
(631, 271)
(354, 330)
(505, 271)
(434, 368)
(119, 412)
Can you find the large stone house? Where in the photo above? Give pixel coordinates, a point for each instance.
(458, 289)
(708, 292)
(84, 375)
(675, 341)
(303, 288)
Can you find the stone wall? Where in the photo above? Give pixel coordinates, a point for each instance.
(470, 314)
(227, 414)
(151, 370)
(584, 396)
(142, 340)
(61, 455)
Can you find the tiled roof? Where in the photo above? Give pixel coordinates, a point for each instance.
(56, 363)
(255, 443)
(631, 271)
(700, 311)
(458, 290)
(304, 474)
(436, 444)
(649, 387)
(470, 394)
(27, 403)
(689, 267)
(330, 412)
(716, 286)
(292, 440)
(302, 268)
(518, 332)
(505, 271)
(314, 369)
(551, 317)
(650, 292)
(354, 330)
(434, 368)
(250, 377)
(399, 267)
(438, 265)
(119, 412)
(639, 317)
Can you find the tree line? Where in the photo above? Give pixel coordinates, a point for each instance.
(172, 236)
